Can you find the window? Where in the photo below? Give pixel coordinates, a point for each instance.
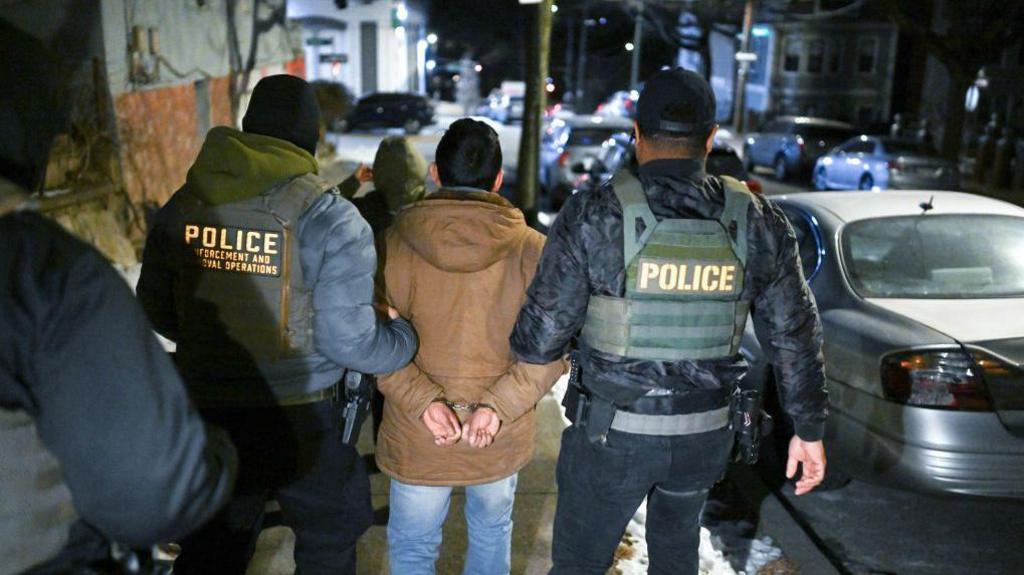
(815, 56)
(791, 59)
(806, 241)
(835, 52)
(861, 147)
(936, 256)
(867, 49)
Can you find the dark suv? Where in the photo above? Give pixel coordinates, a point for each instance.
(790, 145)
(391, 110)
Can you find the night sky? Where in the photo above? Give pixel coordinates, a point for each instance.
(494, 33)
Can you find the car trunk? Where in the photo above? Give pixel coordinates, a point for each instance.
(926, 172)
(987, 325)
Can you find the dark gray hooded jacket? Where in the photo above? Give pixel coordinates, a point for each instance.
(584, 256)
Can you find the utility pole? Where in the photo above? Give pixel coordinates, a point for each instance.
(638, 42)
(567, 89)
(581, 69)
(538, 52)
(739, 111)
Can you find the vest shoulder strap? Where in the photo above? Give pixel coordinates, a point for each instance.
(291, 199)
(630, 193)
(738, 199)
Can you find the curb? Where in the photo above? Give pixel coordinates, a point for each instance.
(779, 521)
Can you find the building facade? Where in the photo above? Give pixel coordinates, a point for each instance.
(368, 46)
(149, 79)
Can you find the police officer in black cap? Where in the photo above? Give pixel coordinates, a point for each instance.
(654, 274)
(263, 275)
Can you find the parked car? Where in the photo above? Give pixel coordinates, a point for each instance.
(922, 304)
(621, 104)
(617, 152)
(568, 141)
(790, 145)
(508, 109)
(391, 110)
(868, 162)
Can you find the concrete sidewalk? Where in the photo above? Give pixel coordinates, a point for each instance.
(533, 515)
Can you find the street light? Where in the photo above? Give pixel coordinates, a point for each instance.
(432, 38)
(554, 8)
(630, 47)
(479, 68)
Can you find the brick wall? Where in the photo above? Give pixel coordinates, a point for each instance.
(158, 133)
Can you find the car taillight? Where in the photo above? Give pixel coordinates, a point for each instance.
(895, 165)
(800, 142)
(944, 378)
(563, 159)
(754, 186)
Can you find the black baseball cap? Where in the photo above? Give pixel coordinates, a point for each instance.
(676, 103)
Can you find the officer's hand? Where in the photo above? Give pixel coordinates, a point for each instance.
(482, 426)
(364, 173)
(393, 313)
(442, 423)
(810, 455)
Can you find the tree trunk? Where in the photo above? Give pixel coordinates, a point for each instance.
(952, 134)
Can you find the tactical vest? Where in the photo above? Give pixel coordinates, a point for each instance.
(36, 511)
(684, 282)
(241, 297)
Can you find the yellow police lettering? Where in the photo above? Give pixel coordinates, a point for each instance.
(709, 280)
(728, 275)
(209, 237)
(270, 244)
(648, 271)
(252, 242)
(191, 233)
(696, 278)
(667, 276)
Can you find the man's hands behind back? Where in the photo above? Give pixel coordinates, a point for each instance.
(442, 423)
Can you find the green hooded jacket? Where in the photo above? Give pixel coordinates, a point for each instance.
(399, 179)
(234, 165)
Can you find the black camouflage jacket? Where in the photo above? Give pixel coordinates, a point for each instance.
(584, 256)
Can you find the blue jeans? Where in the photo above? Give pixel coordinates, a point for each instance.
(419, 511)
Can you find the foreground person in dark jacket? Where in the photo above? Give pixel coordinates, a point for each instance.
(659, 338)
(266, 284)
(98, 441)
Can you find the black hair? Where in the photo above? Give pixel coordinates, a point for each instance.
(691, 145)
(469, 155)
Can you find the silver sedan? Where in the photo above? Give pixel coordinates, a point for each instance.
(870, 162)
(921, 297)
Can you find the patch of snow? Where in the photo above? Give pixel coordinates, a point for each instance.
(737, 540)
(635, 562)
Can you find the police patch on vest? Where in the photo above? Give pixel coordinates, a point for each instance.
(236, 250)
(664, 276)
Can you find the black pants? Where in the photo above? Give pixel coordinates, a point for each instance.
(294, 454)
(600, 487)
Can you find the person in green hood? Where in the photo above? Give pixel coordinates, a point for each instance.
(263, 275)
(399, 178)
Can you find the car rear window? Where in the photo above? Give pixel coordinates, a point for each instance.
(591, 136)
(936, 256)
(899, 147)
(825, 133)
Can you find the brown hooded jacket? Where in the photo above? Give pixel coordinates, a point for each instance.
(457, 265)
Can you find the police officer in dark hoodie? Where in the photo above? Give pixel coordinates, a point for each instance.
(98, 442)
(656, 274)
(264, 278)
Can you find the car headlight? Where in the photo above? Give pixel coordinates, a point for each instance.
(939, 378)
